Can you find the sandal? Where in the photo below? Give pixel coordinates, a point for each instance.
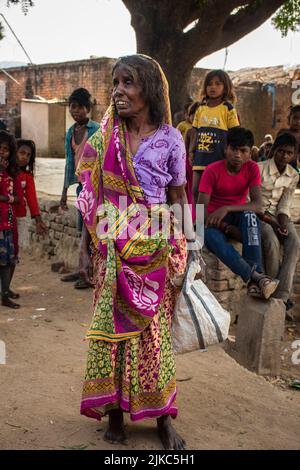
(253, 290)
(267, 286)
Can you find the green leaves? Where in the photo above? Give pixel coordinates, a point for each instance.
(288, 17)
(26, 4)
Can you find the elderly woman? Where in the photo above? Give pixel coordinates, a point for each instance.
(136, 156)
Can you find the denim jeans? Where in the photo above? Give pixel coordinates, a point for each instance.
(251, 259)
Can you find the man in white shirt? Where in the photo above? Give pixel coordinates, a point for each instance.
(279, 181)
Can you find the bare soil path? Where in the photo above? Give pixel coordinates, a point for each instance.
(222, 405)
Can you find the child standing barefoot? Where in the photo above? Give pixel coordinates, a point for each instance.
(80, 105)
(25, 178)
(10, 194)
(25, 161)
(214, 117)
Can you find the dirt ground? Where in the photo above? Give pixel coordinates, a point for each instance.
(222, 405)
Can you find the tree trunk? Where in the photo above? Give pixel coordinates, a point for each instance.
(179, 78)
(179, 87)
(176, 67)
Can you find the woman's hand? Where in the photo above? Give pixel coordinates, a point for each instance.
(194, 249)
(196, 255)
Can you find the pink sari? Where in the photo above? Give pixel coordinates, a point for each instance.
(130, 361)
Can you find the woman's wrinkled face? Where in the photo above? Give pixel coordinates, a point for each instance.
(127, 93)
(23, 155)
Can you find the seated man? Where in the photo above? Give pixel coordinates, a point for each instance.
(279, 181)
(224, 188)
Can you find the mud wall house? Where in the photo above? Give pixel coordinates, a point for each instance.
(51, 82)
(264, 95)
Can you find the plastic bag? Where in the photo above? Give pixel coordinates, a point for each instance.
(199, 320)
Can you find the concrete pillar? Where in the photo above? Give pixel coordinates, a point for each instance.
(260, 331)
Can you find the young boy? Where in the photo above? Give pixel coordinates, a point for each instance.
(279, 181)
(223, 190)
(294, 129)
(79, 105)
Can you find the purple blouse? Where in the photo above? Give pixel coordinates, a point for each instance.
(160, 162)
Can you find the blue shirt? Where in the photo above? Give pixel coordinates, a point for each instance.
(70, 176)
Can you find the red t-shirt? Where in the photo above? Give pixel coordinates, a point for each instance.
(226, 189)
(27, 183)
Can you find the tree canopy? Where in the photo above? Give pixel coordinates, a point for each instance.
(25, 5)
(178, 33)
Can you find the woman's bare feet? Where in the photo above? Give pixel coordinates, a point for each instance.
(168, 435)
(115, 433)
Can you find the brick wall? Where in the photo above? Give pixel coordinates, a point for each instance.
(62, 241)
(58, 80)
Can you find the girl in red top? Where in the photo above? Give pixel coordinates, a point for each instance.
(10, 195)
(26, 160)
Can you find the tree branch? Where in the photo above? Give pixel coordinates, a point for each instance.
(174, 13)
(177, 14)
(225, 28)
(243, 22)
